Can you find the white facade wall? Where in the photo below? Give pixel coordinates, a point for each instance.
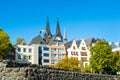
(75, 49)
(34, 54)
(20, 53)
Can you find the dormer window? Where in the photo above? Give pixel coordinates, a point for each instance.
(73, 47)
(41, 43)
(58, 38)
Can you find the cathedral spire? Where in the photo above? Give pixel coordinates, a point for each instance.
(65, 36)
(58, 33)
(48, 32)
(58, 36)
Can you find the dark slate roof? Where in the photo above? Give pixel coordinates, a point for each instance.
(78, 43)
(89, 41)
(69, 44)
(51, 40)
(37, 40)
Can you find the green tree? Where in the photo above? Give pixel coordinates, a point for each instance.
(4, 44)
(19, 41)
(102, 58)
(116, 60)
(86, 69)
(69, 63)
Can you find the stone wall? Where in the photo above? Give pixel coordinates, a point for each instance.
(37, 72)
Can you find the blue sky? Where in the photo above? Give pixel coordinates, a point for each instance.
(81, 18)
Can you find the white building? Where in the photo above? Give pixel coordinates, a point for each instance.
(35, 54)
(79, 50)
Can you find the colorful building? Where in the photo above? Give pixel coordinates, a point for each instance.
(46, 50)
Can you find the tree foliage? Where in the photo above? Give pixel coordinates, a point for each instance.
(4, 44)
(69, 63)
(19, 41)
(102, 58)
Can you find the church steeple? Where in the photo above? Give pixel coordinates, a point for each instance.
(58, 36)
(65, 36)
(58, 33)
(48, 32)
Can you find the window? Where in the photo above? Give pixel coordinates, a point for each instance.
(24, 57)
(10, 53)
(58, 38)
(29, 57)
(54, 43)
(40, 50)
(74, 58)
(83, 52)
(24, 49)
(83, 58)
(41, 43)
(46, 48)
(53, 49)
(52, 61)
(46, 60)
(30, 50)
(59, 55)
(53, 55)
(60, 50)
(19, 49)
(19, 56)
(83, 48)
(86, 64)
(46, 54)
(71, 53)
(76, 53)
(73, 47)
(60, 44)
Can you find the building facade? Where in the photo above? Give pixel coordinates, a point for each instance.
(46, 50)
(80, 50)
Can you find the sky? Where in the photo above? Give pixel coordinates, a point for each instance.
(81, 19)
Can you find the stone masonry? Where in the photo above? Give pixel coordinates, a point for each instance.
(38, 72)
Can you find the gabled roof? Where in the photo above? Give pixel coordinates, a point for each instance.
(37, 40)
(69, 44)
(78, 43)
(89, 41)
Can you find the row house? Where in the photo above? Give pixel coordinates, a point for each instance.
(80, 50)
